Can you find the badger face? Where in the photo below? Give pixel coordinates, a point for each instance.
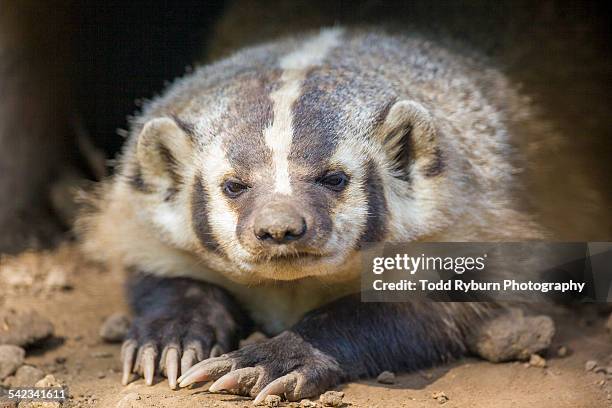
(287, 176)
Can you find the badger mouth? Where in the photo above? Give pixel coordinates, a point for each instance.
(286, 256)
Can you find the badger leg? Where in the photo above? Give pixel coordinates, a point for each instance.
(178, 322)
(343, 341)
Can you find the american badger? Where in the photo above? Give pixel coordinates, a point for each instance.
(246, 191)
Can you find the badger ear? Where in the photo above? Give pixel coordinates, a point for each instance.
(409, 137)
(163, 150)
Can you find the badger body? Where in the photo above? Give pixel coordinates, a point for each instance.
(246, 191)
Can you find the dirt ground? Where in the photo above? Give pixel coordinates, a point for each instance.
(78, 357)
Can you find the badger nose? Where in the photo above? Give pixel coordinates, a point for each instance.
(279, 223)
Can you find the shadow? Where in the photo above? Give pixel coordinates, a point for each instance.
(415, 380)
(45, 345)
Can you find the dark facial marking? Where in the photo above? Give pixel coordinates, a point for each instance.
(436, 166)
(376, 225)
(403, 156)
(383, 112)
(245, 120)
(199, 215)
(186, 127)
(316, 119)
(172, 165)
(135, 180)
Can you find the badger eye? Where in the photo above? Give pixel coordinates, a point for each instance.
(335, 181)
(233, 188)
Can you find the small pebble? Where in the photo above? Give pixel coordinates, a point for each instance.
(427, 376)
(332, 399)
(128, 400)
(590, 365)
(562, 351)
(440, 396)
(115, 328)
(48, 381)
(537, 361)
(272, 401)
(602, 370)
(386, 377)
(305, 403)
(11, 358)
(57, 279)
(101, 354)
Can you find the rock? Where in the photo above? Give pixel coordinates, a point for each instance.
(48, 381)
(305, 403)
(512, 336)
(57, 278)
(562, 351)
(253, 338)
(440, 396)
(101, 354)
(332, 399)
(601, 370)
(115, 328)
(129, 401)
(272, 401)
(11, 358)
(386, 377)
(26, 376)
(23, 328)
(537, 361)
(590, 365)
(427, 376)
(609, 323)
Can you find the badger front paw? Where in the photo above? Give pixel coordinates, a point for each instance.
(285, 365)
(165, 341)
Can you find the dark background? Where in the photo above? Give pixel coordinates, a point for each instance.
(71, 68)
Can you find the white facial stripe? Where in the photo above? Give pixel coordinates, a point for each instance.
(222, 218)
(279, 135)
(350, 216)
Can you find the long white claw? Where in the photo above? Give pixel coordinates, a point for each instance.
(193, 375)
(281, 386)
(127, 353)
(228, 382)
(189, 358)
(205, 370)
(148, 365)
(172, 364)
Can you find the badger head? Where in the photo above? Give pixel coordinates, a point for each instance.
(285, 172)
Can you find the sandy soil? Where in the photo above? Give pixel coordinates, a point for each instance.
(77, 356)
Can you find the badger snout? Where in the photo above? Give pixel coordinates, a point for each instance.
(279, 223)
(283, 227)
